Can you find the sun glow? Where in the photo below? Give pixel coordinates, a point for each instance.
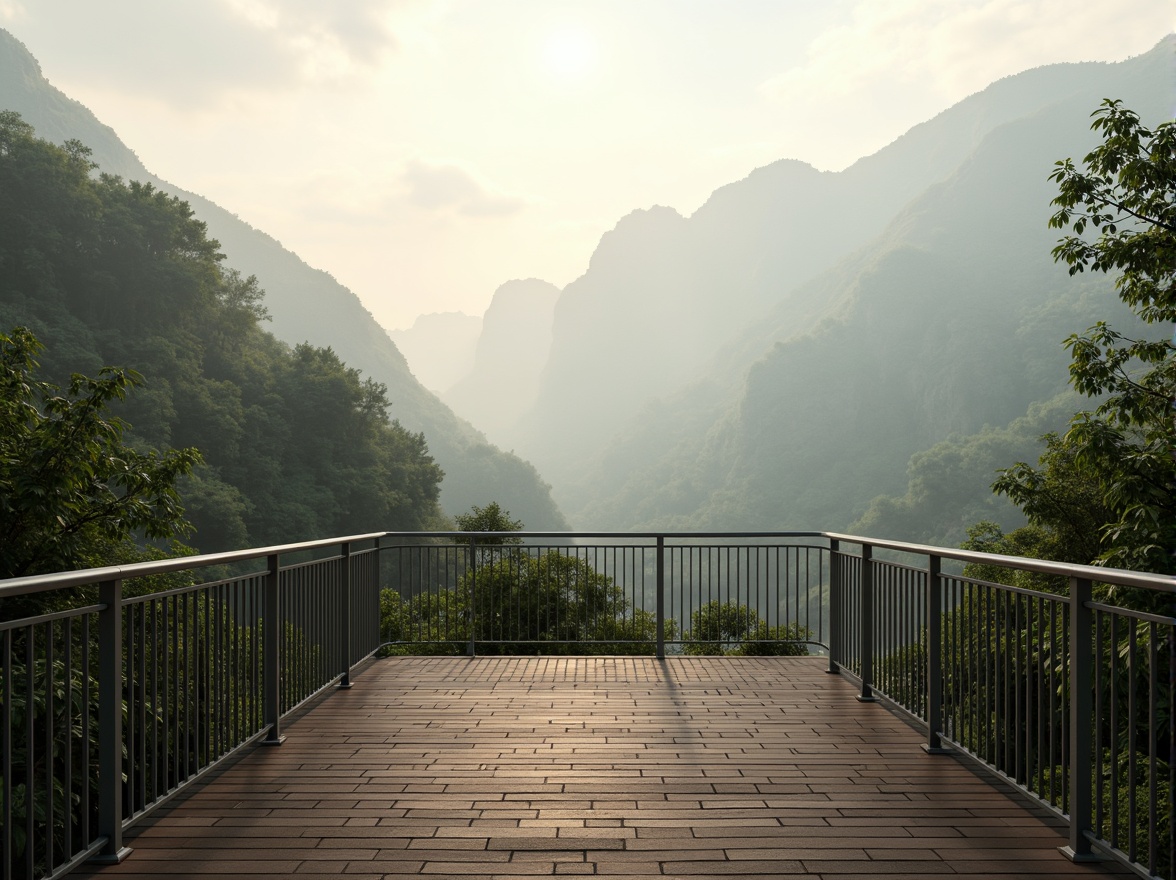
(569, 54)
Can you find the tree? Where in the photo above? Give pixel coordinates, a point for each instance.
(1126, 192)
(520, 603)
(730, 628)
(72, 493)
(296, 444)
(1065, 508)
(490, 518)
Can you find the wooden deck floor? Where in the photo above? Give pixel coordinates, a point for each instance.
(625, 767)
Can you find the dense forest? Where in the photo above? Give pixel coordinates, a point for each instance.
(305, 304)
(295, 443)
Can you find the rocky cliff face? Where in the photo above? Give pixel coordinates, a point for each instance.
(512, 350)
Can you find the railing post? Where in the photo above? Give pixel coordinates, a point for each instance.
(934, 624)
(471, 619)
(866, 625)
(271, 634)
(345, 680)
(110, 727)
(660, 604)
(835, 622)
(374, 586)
(1081, 711)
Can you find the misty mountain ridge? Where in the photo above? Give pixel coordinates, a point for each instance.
(776, 359)
(664, 293)
(511, 351)
(305, 304)
(439, 347)
(807, 350)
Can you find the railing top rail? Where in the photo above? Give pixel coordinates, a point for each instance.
(618, 536)
(41, 583)
(1118, 576)
(58, 580)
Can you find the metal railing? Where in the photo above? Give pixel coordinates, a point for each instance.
(594, 592)
(1062, 687)
(121, 686)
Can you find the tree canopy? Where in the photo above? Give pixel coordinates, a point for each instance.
(730, 628)
(1105, 491)
(491, 518)
(295, 444)
(514, 602)
(72, 492)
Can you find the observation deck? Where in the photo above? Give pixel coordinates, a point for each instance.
(708, 705)
(502, 767)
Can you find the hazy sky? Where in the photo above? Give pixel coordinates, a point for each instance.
(425, 151)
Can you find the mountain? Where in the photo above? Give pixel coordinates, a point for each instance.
(292, 444)
(512, 349)
(663, 293)
(305, 304)
(775, 360)
(439, 348)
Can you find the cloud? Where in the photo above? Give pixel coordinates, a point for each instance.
(954, 49)
(195, 51)
(436, 187)
(358, 31)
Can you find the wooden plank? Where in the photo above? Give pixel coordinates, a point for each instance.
(502, 767)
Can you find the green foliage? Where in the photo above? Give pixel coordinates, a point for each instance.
(490, 518)
(71, 488)
(1066, 511)
(1124, 447)
(518, 603)
(786, 640)
(730, 628)
(1105, 491)
(295, 444)
(1030, 541)
(427, 623)
(552, 598)
(949, 485)
(58, 709)
(1064, 506)
(174, 725)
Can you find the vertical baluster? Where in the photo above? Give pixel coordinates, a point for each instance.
(1080, 759)
(835, 614)
(1054, 701)
(271, 631)
(866, 624)
(660, 600)
(1132, 750)
(69, 740)
(1018, 691)
(50, 712)
(1099, 708)
(6, 749)
(1152, 744)
(471, 620)
(110, 717)
(345, 623)
(934, 621)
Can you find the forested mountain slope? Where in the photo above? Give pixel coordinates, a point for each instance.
(305, 304)
(295, 443)
(663, 293)
(849, 356)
